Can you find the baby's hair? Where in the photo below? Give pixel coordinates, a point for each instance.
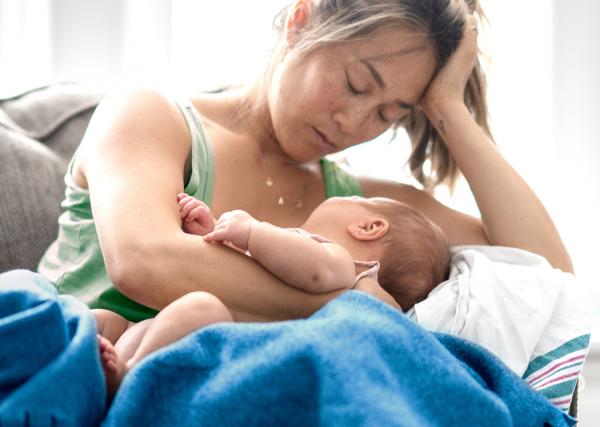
(416, 255)
(441, 21)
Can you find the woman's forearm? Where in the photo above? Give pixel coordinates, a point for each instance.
(511, 213)
(171, 268)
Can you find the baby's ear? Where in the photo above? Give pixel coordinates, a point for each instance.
(372, 228)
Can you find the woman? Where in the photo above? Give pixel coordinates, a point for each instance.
(342, 73)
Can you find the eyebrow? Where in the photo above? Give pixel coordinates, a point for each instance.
(381, 84)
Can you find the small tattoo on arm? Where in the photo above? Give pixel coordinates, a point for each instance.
(442, 126)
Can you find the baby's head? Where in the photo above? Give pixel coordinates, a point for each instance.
(413, 251)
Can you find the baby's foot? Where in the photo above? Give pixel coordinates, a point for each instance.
(113, 366)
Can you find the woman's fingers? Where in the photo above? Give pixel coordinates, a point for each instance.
(450, 82)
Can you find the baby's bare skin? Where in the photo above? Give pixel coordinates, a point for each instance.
(113, 366)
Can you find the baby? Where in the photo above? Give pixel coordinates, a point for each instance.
(344, 240)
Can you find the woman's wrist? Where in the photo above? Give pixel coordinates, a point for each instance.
(443, 114)
(442, 108)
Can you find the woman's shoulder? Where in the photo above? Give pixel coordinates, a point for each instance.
(220, 110)
(138, 110)
(128, 122)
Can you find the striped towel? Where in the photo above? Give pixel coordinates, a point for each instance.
(535, 318)
(555, 373)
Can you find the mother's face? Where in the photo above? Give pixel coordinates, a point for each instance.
(348, 93)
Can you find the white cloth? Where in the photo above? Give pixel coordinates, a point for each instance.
(510, 301)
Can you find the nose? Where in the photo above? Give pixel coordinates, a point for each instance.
(351, 117)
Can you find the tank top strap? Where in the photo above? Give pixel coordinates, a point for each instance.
(201, 180)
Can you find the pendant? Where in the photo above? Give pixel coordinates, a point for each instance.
(269, 182)
(280, 201)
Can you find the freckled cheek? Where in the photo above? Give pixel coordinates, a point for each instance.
(322, 102)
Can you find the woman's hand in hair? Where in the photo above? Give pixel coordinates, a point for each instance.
(448, 86)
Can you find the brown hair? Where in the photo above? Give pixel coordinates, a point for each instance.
(416, 255)
(334, 21)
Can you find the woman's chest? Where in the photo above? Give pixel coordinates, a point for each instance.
(283, 196)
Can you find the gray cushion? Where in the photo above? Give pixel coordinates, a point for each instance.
(39, 130)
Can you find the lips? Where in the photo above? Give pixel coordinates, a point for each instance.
(324, 141)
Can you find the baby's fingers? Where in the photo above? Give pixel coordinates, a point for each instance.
(217, 234)
(185, 207)
(214, 236)
(200, 213)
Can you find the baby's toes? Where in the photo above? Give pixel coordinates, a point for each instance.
(107, 350)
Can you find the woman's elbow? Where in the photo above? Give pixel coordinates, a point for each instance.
(562, 261)
(130, 271)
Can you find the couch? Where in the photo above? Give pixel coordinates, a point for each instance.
(39, 131)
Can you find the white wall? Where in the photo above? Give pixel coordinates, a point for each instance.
(577, 132)
(86, 38)
(25, 56)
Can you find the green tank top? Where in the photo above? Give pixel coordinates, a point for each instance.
(74, 262)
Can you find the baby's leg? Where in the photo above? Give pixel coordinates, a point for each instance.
(110, 324)
(178, 319)
(111, 327)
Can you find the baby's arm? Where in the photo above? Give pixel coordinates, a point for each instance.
(196, 216)
(296, 259)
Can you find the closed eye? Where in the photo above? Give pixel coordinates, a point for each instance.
(351, 88)
(382, 117)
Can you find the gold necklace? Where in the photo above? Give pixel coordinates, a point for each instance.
(281, 201)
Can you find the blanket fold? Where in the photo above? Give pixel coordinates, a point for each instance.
(50, 373)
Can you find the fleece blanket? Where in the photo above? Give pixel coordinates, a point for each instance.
(50, 373)
(354, 362)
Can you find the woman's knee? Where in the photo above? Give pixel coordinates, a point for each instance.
(203, 304)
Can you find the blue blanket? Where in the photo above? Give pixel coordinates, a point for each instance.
(50, 373)
(354, 362)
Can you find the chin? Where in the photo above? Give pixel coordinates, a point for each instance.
(301, 154)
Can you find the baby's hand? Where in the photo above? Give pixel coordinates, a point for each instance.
(234, 227)
(195, 214)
